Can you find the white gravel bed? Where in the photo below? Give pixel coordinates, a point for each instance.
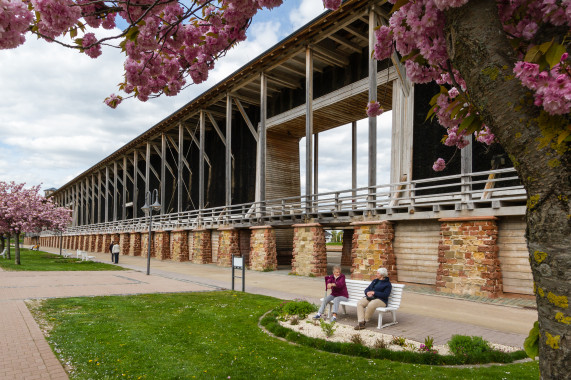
(344, 333)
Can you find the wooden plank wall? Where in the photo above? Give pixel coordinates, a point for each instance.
(513, 256)
(282, 166)
(416, 251)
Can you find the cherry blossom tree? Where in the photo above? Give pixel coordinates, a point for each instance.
(502, 66)
(25, 210)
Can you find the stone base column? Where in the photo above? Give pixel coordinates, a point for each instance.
(346, 248)
(372, 248)
(309, 253)
(134, 244)
(161, 241)
(179, 245)
(99, 243)
(263, 254)
(145, 245)
(201, 251)
(228, 245)
(107, 238)
(124, 242)
(468, 257)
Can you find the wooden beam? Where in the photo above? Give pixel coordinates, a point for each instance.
(346, 43)
(163, 184)
(228, 167)
(135, 182)
(123, 207)
(282, 82)
(246, 118)
(201, 161)
(114, 191)
(308, 123)
(261, 159)
(181, 159)
(329, 56)
(356, 33)
(180, 150)
(198, 145)
(372, 120)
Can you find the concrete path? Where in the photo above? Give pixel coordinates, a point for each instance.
(26, 354)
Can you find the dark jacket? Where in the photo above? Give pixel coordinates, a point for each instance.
(382, 289)
(340, 289)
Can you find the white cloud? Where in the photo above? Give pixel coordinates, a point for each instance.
(305, 12)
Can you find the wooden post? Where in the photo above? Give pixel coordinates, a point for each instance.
(148, 168)
(372, 120)
(180, 166)
(261, 191)
(228, 182)
(135, 182)
(308, 127)
(201, 162)
(107, 180)
(316, 163)
(466, 170)
(114, 190)
(124, 190)
(99, 197)
(163, 171)
(354, 159)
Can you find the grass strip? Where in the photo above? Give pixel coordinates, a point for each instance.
(44, 261)
(210, 335)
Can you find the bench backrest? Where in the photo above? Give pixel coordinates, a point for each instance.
(356, 290)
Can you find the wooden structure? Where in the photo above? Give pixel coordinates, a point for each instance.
(227, 165)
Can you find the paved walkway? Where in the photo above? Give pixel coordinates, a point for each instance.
(26, 354)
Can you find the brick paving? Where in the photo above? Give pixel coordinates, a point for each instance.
(25, 353)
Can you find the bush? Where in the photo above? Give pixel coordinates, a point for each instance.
(356, 338)
(398, 341)
(328, 328)
(298, 308)
(462, 345)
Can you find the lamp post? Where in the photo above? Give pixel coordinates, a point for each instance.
(148, 209)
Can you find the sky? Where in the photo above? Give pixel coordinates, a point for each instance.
(54, 124)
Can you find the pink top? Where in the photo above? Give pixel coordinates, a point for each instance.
(340, 289)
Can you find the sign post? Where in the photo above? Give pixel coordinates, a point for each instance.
(238, 263)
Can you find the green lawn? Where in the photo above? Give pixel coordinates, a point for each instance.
(211, 335)
(43, 261)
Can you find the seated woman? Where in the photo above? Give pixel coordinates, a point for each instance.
(339, 293)
(376, 294)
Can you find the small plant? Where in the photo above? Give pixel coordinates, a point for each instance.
(462, 345)
(380, 343)
(428, 346)
(398, 341)
(294, 320)
(298, 308)
(357, 339)
(328, 328)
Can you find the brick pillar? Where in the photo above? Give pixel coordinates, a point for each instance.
(92, 242)
(263, 254)
(201, 246)
(346, 248)
(134, 244)
(179, 245)
(228, 245)
(106, 242)
(309, 253)
(124, 243)
(372, 248)
(76, 242)
(99, 243)
(145, 245)
(161, 241)
(468, 262)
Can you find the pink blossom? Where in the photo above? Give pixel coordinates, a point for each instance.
(15, 18)
(332, 4)
(374, 109)
(113, 100)
(439, 165)
(88, 40)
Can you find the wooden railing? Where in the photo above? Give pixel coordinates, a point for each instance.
(491, 189)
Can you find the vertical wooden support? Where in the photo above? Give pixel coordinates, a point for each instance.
(261, 159)
(115, 191)
(92, 219)
(99, 200)
(124, 197)
(316, 163)
(228, 176)
(466, 170)
(354, 158)
(107, 194)
(402, 133)
(135, 182)
(308, 126)
(148, 168)
(81, 222)
(180, 166)
(163, 171)
(372, 120)
(201, 161)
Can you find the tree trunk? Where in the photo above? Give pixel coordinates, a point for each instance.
(17, 248)
(480, 50)
(8, 256)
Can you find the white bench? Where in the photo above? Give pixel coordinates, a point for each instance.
(84, 256)
(3, 254)
(356, 290)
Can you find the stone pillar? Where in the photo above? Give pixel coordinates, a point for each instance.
(134, 244)
(145, 245)
(346, 248)
(468, 262)
(179, 245)
(161, 241)
(202, 246)
(372, 248)
(228, 245)
(309, 253)
(92, 245)
(106, 242)
(99, 243)
(263, 254)
(124, 243)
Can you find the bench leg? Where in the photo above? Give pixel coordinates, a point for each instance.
(380, 320)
